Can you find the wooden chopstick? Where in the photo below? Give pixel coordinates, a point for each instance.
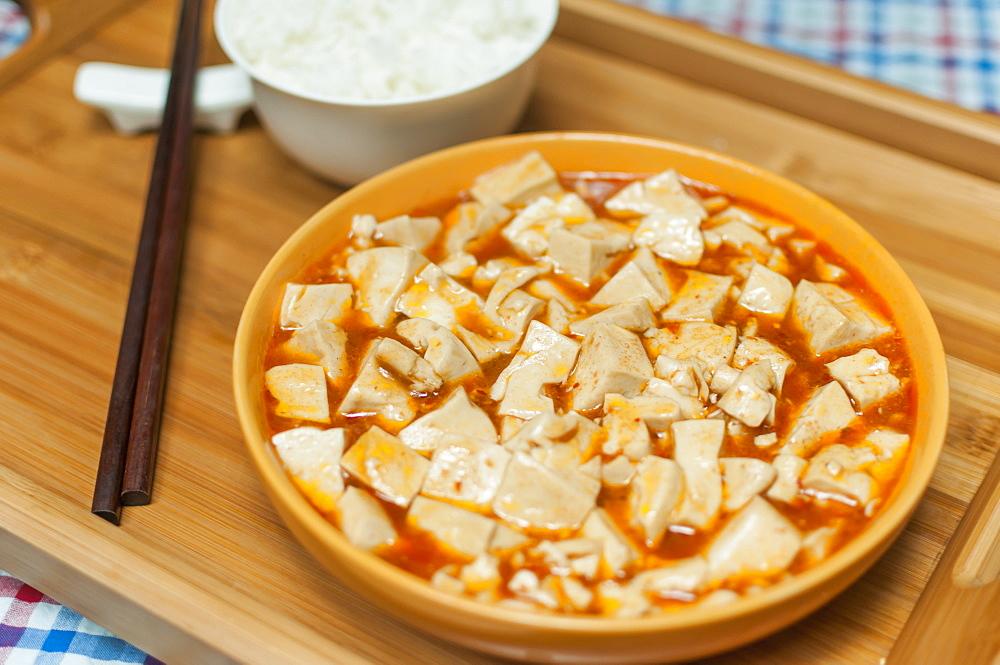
(132, 424)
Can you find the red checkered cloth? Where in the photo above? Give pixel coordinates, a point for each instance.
(14, 27)
(943, 49)
(36, 630)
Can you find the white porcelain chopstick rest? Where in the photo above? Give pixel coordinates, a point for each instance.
(133, 97)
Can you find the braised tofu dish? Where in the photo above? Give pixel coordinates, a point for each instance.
(595, 394)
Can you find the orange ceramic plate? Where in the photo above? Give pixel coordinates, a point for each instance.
(678, 635)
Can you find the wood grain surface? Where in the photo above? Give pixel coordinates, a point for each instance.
(206, 573)
(959, 606)
(54, 25)
(923, 126)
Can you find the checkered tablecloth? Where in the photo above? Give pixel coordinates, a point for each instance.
(14, 27)
(36, 630)
(944, 49)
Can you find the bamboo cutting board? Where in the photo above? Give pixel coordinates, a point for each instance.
(207, 573)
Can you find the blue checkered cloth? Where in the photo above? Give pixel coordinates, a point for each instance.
(36, 630)
(944, 49)
(14, 27)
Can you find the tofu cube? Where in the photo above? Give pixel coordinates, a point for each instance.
(534, 495)
(448, 356)
(701, 298)
(740, 235)
(744, 478)
(509, 308)
(677, 238)
(627, 421)
(483, 574)
(664, 193)
(827, 410)
(415, 233)
(633, 280)
(313, 456)
(484, 350)
(752, 349)
(579, 596)
(456, 421)
(364, 522)
(758, 540)
(462, 530)
(723, 379)
(832, 318)
(611, 360)
(557, 316)
(547, 430)
(711, 344)
(839, 470)
(381, 274)
(890, 448)
(865, 376)
(696, 450)
(572, 556)
(404, 362)
(788, 470)
(618, 472)
(655, 496)
(686, 376)
(362, 235)
(749, 399)
(680, 580)
(300, 390)
(474, 220)
(381, 461)
(530, 232)
(389, 371)
(375, 392)
(516, 182)
(436, 296)
(617, 552)
(464, 476)
(635, 315)
(583, 250)
(506, 539)
(766, 291)
(735, 213)
(444, 579)
(324, 342)
(303, 303)
(545, 358)
(459, 264)
(626, 432)
(526, 586)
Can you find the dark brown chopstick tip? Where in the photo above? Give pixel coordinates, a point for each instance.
(113, 516)
(135, 498)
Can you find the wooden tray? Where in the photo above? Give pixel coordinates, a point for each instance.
(207, 573)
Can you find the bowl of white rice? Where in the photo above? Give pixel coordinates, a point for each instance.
(349, 88)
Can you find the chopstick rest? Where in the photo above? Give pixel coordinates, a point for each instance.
(133, 97)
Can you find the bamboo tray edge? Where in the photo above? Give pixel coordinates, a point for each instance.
(958, 138)
(939, 131)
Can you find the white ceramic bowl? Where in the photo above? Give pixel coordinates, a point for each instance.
(348, 140)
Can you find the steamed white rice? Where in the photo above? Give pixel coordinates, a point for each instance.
(369, 50)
